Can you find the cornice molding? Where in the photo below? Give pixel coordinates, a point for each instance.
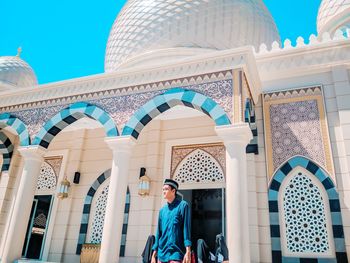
(287, 94)
(191, 80)
(189, 71)
(303, 59)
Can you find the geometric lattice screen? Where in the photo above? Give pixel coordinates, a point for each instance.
(47, 178)
(98, 215)
(304, 213)
(199, 167)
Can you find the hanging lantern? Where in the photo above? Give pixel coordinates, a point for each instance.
(144, 183)
(64, 187)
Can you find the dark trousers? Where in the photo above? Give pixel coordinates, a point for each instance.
(203, 252)
(205, 256)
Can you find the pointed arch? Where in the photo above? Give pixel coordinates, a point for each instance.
(9, 120)
(91, 194)
(170, 99)
(70, 115)
(6, 149)
(333, 201)
(199, 166)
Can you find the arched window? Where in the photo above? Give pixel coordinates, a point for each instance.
(305, 216)
(94, 211)
(199, 167)
(97, 215)
(47, 180)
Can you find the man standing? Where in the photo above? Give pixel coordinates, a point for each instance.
(173, 239)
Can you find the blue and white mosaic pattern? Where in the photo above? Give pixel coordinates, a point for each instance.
(6, 149)
(87, 209)
(7, 119)
(71, 114)
(169, 99)
(334, 204)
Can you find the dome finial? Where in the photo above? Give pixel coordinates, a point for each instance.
(19, 51)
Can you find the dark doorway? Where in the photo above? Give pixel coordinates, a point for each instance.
(208, 214)
(37, 227)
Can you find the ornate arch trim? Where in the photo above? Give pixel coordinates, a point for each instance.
(7, 119)
(70, 115)
(170, 99)
(6, 149)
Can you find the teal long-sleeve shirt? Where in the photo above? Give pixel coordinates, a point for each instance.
(173, 232)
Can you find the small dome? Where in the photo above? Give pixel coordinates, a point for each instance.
(333, 15)
(16, 72)
(147, 27)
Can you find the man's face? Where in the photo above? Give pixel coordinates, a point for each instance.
(168, 193)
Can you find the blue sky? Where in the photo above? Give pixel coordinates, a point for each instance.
(67, 39)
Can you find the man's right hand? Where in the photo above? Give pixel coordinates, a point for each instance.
(154, 260)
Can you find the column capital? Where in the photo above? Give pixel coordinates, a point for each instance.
(32, 152)
(120, 143)
(235, 133)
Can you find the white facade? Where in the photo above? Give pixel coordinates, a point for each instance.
(252, 119)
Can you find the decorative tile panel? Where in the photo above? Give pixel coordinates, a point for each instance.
(37, 117)
(295, 124)
(55, 163)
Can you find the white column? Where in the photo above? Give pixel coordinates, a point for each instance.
(112, 229)
(33, 158)
(236, 137)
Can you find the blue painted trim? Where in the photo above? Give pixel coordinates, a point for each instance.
(7, 119)
(169, 99)
(70, 115)
(249, 117)
(6, 149)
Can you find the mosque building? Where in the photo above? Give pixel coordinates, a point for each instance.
(255, 131)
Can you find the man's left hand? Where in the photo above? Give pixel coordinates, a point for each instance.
(187, 257)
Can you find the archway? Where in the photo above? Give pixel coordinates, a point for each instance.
(275, 208)
(70, 115)
(170, 99)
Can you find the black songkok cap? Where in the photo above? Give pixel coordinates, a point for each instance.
(171, 183)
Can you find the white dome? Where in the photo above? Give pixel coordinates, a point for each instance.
(16, 72)
(333, 15)
(145, 26)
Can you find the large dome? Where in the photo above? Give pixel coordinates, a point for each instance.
(16, 72)
(145, 26)
(333, 15)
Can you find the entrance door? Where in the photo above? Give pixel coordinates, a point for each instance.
(208, 214)
(37, 226)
